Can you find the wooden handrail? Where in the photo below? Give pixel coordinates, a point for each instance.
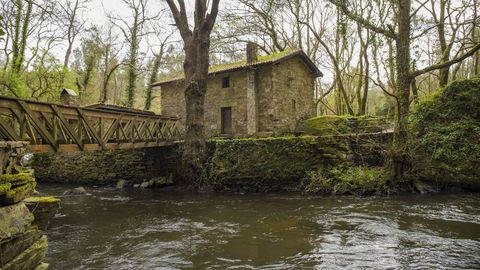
(51, 127)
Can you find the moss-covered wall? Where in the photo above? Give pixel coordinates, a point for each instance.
(268, 164)
(280, 164)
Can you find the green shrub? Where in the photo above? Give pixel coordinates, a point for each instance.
(445, 131)
(352, 180)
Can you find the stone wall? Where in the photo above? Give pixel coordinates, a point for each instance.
(22, 245)
(105, 167)
(268, 164)
(279, 86)
(280, 164)
(173, 102)
(293, 95)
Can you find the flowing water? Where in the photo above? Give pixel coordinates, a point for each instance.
(113, 229)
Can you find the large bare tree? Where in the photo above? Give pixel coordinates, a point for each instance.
(196, 47)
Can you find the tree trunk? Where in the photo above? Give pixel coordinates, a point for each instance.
(16, 34)
(196, 73)
(132, 70)
(444, 51)
(400, 137)
(153, 79)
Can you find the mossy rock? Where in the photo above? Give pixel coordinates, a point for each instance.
(43, 200)
(42, 266)
(4, 188)
(17, 244)
(30, 258)
(18, 179)
(18, 194)
(14, 220)
(343, 124)
(445, 131)
(43, 209)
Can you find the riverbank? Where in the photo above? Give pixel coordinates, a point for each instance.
(337, 164)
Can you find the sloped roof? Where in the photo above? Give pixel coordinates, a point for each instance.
(117, 108)
(69, 92)
(262, 60)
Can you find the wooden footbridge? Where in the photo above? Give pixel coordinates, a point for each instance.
(52, 127)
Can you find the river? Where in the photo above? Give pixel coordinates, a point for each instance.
(147, 229)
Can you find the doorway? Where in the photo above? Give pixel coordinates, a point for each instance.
(226, 120)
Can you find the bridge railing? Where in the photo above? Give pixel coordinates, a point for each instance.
(57, 128)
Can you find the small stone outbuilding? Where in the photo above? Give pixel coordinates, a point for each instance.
(262, 96)
(69, 97)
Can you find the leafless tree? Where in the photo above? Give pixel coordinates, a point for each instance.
(196, 47)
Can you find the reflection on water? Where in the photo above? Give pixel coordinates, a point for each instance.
(160, 230)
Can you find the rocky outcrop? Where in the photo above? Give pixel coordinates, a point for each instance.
(22, 245)
(43, 209)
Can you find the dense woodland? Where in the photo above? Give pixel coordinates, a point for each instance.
(379, 57)
(49, 45)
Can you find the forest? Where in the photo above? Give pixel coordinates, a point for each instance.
(49, 45)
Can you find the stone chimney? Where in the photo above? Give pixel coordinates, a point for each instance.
(252, 117)
(252, 55)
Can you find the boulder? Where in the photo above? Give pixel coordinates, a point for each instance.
(121, 184)
(14, 219)
(146, 184)
(76, 191)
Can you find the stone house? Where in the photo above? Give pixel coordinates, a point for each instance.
(262, 96)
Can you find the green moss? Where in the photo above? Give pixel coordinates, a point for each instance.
(343, 124)
(22, 177)
(352, 180)
(269, 164)
(5, 187)
(445, 131)
(21, 189)
(227, 66)
(42, 200)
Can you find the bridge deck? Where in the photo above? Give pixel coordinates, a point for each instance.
(58, 128)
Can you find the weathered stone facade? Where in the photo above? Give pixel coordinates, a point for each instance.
(280, 95)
